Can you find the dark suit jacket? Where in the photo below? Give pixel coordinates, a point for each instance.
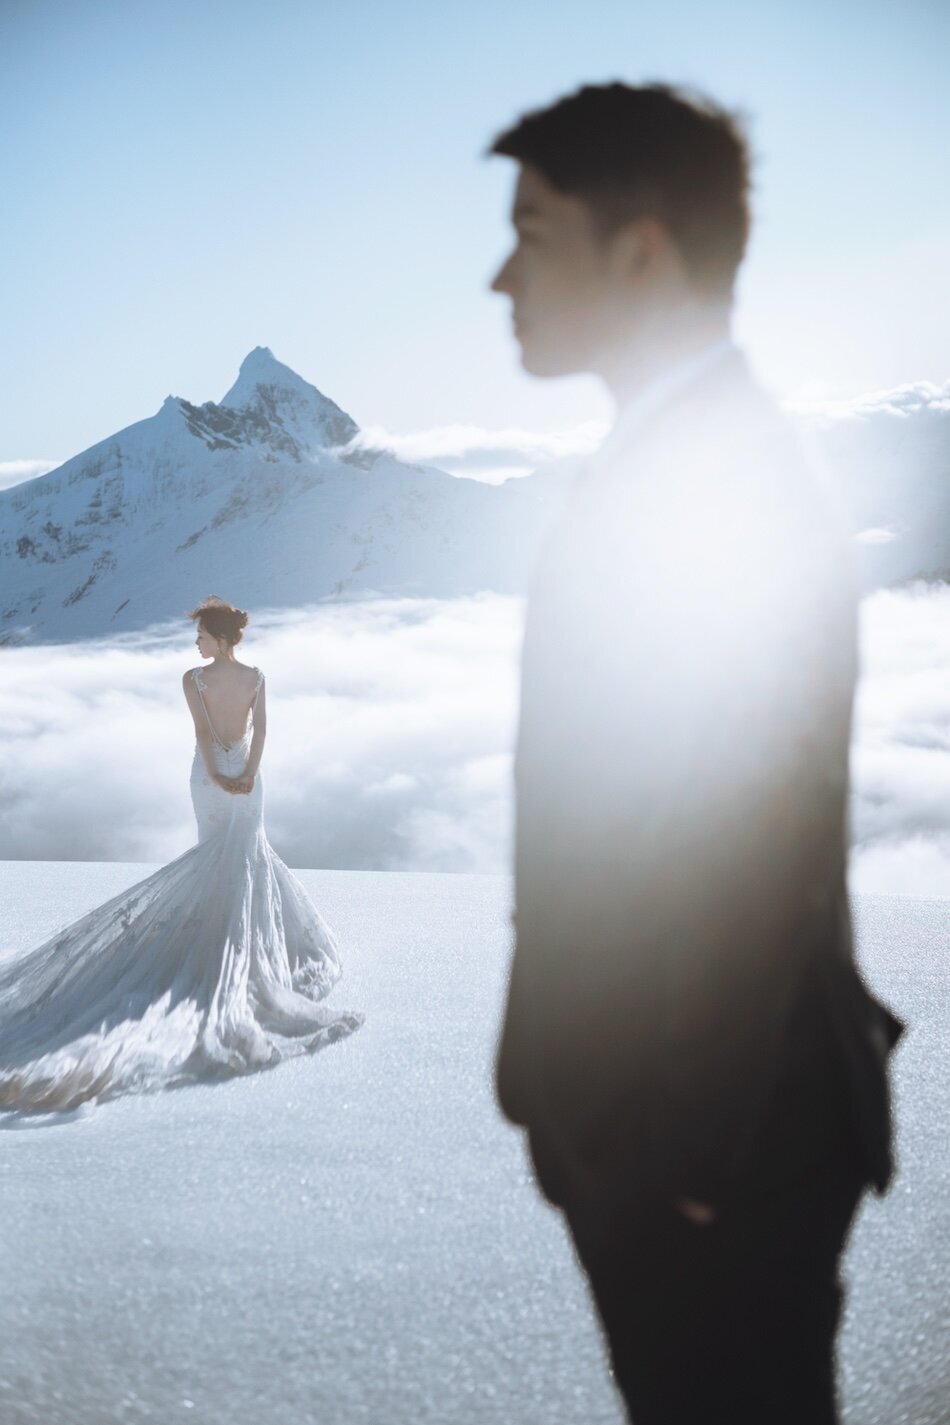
(683, 941)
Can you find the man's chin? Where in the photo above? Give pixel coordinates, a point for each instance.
(540, 362)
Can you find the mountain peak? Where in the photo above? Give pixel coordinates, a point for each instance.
(261, 368)
(267, 390)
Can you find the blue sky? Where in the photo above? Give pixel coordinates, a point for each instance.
(183, 182)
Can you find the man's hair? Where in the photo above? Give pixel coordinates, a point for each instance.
(647, 151)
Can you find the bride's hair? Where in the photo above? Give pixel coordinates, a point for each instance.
(220, 619)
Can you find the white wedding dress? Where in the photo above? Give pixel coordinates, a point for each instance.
(210, 967)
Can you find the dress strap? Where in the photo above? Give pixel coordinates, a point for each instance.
(257, 687)
(199, 686)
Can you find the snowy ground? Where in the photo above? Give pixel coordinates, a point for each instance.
(355, 1238)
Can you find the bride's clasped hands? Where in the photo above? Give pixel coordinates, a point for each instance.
(238, 785)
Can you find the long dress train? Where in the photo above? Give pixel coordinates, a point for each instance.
(210, 967)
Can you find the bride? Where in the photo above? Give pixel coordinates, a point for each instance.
(208, 968)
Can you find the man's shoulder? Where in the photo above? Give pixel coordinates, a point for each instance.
(725, 413)
(723, 440)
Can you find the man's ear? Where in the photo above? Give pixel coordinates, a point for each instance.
(643, 249)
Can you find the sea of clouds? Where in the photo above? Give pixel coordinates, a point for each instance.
(390, 733)
(390, 726)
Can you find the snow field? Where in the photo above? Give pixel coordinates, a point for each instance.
(355, 1237)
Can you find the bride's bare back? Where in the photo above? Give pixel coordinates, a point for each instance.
(229, 690)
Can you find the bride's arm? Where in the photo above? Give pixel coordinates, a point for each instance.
(203, 733)
(257, 739)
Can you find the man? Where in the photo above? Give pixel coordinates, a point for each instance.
(700, 1070)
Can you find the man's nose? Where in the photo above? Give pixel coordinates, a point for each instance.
(501, 282)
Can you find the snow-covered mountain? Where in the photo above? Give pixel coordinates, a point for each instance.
(266, 498)
(269, 498)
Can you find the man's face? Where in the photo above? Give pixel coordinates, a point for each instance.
(561, 279)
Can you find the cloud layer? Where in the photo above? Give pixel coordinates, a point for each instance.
(900, 403)
(490, 455)
(901, 749)
(390, 734)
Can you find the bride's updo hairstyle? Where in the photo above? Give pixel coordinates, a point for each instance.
(220, 619)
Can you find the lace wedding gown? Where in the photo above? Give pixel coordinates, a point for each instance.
(210, 967)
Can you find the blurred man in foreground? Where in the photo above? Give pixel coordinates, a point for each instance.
(687, 1041)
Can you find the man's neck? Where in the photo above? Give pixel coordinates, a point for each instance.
(660, 345)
